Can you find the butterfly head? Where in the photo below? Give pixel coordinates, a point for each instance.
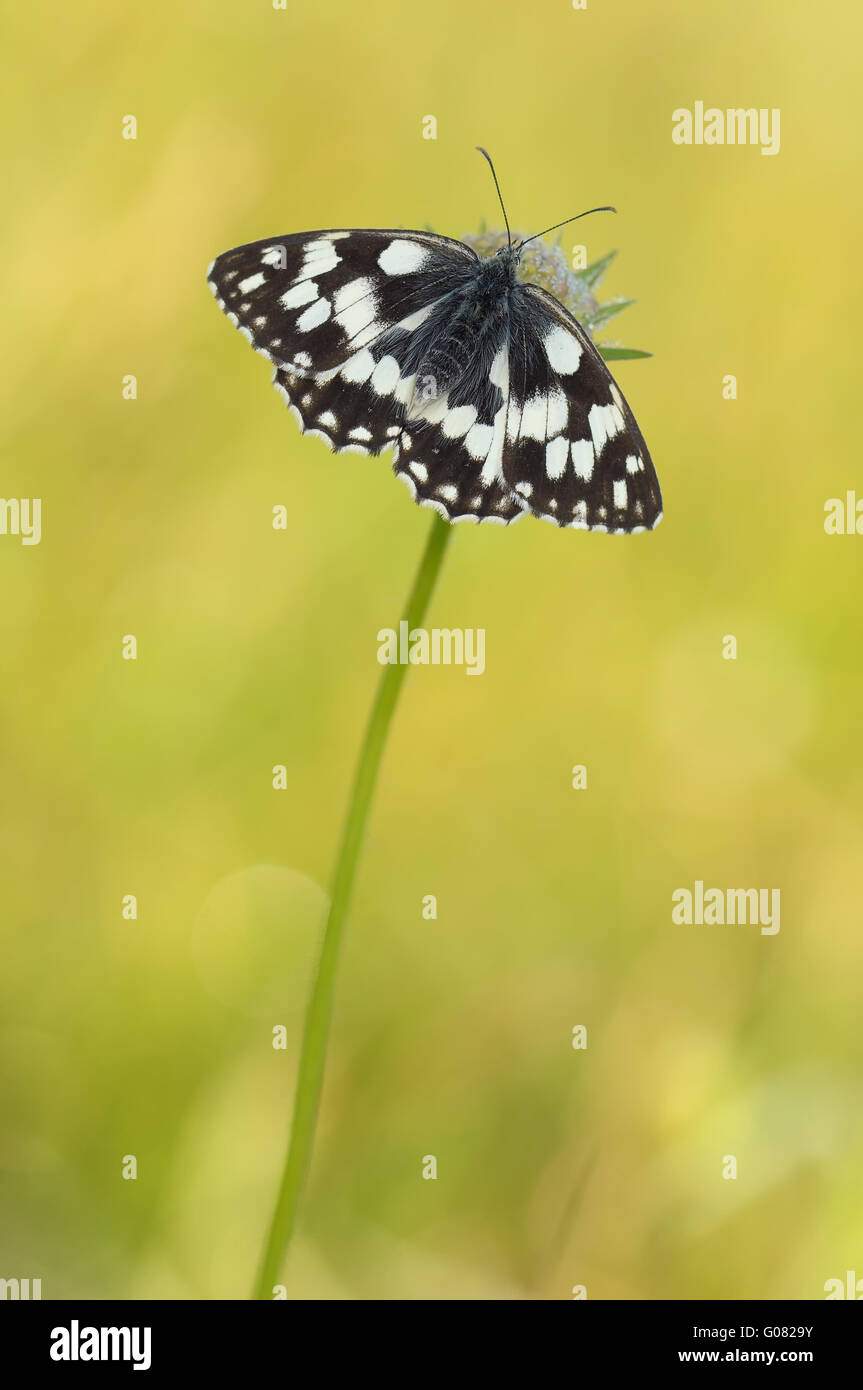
(510, 256)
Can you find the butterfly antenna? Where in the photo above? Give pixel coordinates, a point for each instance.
(566, 223)
(497, 186)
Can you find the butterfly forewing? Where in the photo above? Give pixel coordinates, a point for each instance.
(309, 300)
(336, 313)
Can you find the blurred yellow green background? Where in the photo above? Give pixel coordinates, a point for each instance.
(258, 647)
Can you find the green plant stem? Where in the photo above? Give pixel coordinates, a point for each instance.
(310, 1072)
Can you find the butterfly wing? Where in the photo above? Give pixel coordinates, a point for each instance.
(573, 452)
(450, 451)
(537, 424)
(334, 311)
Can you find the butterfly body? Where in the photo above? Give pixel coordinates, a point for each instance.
(467, 337)
(460, 341)
(492, 397)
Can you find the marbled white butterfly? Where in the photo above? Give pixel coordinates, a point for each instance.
(492, 397)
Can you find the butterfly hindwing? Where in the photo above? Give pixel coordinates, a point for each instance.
(354, 409)
(450, 450)
(573, 450)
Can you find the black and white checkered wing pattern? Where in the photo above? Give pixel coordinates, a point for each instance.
(450, 452)
(493, 399)
(335, 311)
(573, 452)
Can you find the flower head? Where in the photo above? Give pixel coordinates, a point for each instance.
(548, 267)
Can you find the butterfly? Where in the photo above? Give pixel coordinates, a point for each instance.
(493, 399)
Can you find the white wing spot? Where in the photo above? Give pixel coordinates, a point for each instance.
(385, 376)
(359, 319)
(620, 494)
(499, 374)
(458, 421)
(533, 418)
(603, 421)
(350, 293)
(562, 349)
(367, 335)
(558, 413)
(304, 293)
(327, 418)
(359, 432)
(492, 469)
(582, 459)
(252, 282)
(402, 257)
(419, 470)
(314, 316)
(320, 259)
(321, 247)
(634, 464)
(478, 441)
(556, 455)
(359, 367)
